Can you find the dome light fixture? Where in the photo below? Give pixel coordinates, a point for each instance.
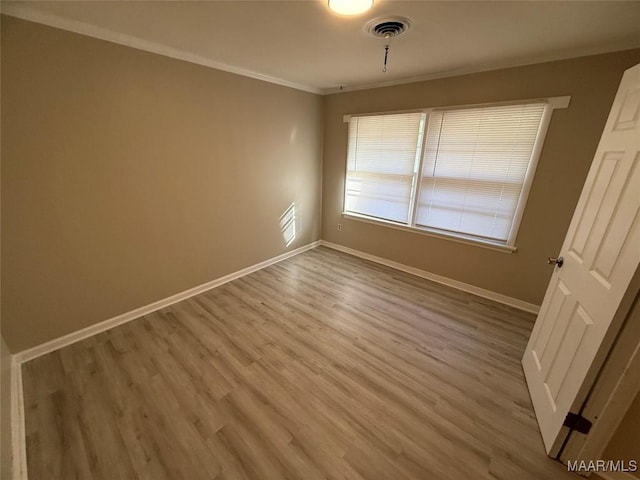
(350, 7)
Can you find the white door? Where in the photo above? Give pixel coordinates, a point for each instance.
(601, 253)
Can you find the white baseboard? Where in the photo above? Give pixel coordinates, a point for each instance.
(55, 344)
(18, 437)
(465, 287)
(18, 431)
(17, 401)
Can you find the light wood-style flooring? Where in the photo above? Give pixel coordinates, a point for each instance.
(324, 366)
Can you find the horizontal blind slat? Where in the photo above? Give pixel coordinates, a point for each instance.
(474, 167)
(380, 164)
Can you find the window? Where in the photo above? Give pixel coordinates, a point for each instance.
(462, 172)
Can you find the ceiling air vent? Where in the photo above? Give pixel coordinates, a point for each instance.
(388, 27)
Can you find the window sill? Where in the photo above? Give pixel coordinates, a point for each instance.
(433, 233)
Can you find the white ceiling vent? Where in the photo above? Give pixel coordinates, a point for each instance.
(389, 27)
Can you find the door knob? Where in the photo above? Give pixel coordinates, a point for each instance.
(555, 261)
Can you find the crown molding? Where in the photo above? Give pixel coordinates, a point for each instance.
(26, 12)
(587, 52)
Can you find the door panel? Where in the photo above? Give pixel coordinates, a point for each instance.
(606, 172)
(601, 252)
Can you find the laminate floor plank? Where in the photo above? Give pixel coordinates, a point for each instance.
(323, 366)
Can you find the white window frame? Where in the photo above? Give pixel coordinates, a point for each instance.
(552, 103)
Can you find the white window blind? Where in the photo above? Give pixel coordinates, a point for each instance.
(474, 168)
(383, 153)
(462, 172)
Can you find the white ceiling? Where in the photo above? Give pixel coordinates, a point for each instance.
(302, 44)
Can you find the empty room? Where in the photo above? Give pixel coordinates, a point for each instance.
(320, 239)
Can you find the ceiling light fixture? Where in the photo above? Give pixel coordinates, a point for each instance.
(350, 7)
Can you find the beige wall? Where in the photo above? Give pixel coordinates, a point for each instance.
(568, 151)
(5, 411)
(625, 443)
(128, 177)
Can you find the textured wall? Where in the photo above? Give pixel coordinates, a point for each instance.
(128, 177)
